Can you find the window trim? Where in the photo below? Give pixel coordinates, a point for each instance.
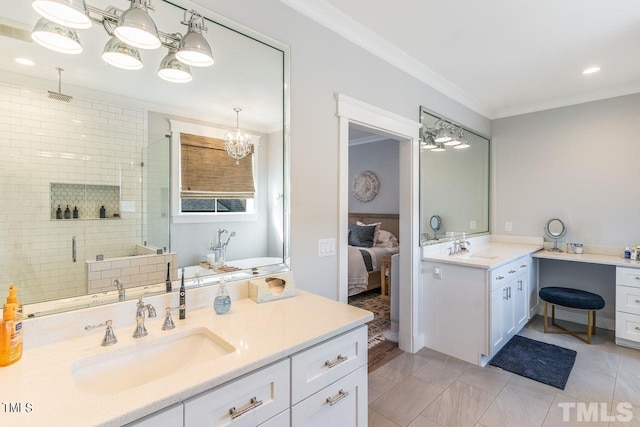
(179, 217)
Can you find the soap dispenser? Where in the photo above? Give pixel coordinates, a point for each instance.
(59, 212)
(222, 302)
(11, 330)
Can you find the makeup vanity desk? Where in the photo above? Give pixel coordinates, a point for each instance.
(627, 290)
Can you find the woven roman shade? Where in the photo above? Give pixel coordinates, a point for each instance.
(209, 172)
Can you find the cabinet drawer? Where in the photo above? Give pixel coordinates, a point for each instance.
(628, 326)
(499, 277)
(523, 264)
(343, 403)
(256, 398)
(628, 276)
(319, 366)
(628, 299)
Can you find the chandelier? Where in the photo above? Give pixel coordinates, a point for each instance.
(442, 134)
(236, 142)
(130, 30)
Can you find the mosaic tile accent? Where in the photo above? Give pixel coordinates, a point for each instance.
(87, 198)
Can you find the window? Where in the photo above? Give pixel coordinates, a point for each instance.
(210, 181)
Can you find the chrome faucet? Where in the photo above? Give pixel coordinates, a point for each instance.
(141, 331)
(458, 246)
(121, 292)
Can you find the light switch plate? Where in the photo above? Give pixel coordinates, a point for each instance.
(326, 247)
(508, 226)
(437, 272)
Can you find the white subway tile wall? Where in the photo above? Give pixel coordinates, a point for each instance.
(44, 141)
(133, 271)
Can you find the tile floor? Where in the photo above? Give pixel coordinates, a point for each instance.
(430, 389)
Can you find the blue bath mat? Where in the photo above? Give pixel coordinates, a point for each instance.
(539, 361)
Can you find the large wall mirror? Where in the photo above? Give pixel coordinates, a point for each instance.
(91, 158)
(454, 179)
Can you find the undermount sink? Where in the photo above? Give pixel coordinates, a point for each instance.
(149, 360)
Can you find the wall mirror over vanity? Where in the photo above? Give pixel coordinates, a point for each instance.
(454, 179)
(117, 146)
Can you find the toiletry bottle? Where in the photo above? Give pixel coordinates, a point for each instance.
(58, 213)
(183, 309)
(627, 252)
(10, 331)
(222, 301)
(75, 212)
(67, 213)
(168, 281)
(103, 212)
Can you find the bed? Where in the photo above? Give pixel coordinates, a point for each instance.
(364, 262)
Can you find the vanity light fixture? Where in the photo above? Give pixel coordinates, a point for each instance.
(133, 28)
(56, 37)
(442, 134)
(136, 28)
(121, 55)
(172, 70)
(194, 49)
(70, 13)
(237, 143)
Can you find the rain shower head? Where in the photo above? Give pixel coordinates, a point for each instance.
(59, 96)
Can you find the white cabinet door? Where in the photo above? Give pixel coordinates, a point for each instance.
(343, 404)
(170, 417)
(521, 301)
(247, 401)
(508, 312)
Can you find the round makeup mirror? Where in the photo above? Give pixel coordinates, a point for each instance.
(435, 222)
(555, 229)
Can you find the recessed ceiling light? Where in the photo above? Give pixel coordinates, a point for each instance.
(591, 70)
(24, 61)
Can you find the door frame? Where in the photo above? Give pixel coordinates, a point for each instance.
(350, 110)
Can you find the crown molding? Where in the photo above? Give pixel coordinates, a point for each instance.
(567, 102)
(342, 24)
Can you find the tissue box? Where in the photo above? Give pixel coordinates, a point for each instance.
(271, 288)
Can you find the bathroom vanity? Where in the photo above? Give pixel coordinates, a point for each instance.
(475, 302)
(300, 361)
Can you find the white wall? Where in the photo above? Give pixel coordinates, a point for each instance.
(578, 163)
(383, 159)
(322, 64)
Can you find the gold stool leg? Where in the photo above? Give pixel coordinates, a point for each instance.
(589, 325)
(594, 322)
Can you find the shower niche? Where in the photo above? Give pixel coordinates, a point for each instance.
(84, 201)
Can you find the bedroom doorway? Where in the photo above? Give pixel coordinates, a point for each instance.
(373, 214)
(358, 116)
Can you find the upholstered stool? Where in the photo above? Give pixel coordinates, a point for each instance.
(574, 299)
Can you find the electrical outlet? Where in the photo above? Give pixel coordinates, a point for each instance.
(437, 272)
(508, 226)
(472, 225)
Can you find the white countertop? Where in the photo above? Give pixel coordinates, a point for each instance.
(260, 333)
(487, 255)
(614, 260)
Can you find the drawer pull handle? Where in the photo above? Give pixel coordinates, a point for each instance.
(638, 328)
(511, 271)
(338, 397)
(254, 403)
(338, 360)
(523, 266)
(637, 278)
(499, 277)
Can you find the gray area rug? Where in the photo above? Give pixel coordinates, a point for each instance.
(539, 361)
(373, 301)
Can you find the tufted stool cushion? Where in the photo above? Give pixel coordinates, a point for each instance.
(573, 298)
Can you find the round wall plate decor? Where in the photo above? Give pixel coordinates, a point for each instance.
(365, 186)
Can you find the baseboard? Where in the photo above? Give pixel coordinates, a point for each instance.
(627, 343)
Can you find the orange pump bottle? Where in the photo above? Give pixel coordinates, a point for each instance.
(11, 330)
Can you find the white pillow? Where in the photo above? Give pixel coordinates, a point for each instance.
(386, 239)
